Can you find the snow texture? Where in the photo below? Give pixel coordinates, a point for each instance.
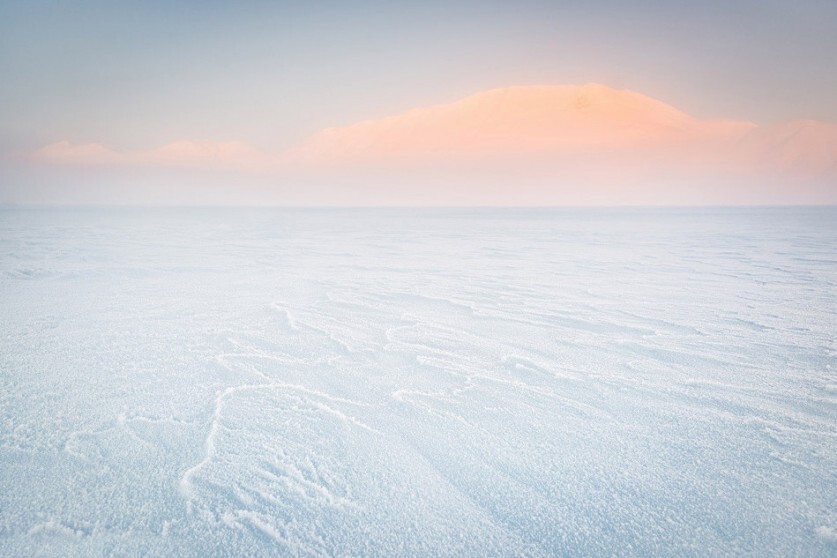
(243, 382)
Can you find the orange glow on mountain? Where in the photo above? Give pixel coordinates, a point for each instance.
(583, 133)
(527, 120)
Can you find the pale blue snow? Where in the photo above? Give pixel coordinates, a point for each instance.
(239, 382)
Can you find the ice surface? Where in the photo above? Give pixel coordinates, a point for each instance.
(199, 382)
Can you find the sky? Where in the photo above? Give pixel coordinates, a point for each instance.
(135, 76)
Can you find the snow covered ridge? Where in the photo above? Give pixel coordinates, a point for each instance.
(556, 145)
(184, 382)
(548, 125)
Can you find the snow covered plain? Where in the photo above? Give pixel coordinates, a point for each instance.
(199, 382)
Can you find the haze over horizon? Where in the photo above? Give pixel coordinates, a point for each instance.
(664, 104)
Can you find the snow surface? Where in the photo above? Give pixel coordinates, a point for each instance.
(199, 382)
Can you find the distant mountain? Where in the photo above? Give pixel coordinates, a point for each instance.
(522, 120)
(568, 130)
(801, 145)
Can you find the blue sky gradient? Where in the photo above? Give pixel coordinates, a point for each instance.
(138, 74)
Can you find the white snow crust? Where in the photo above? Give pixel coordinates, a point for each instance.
(418, 382)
